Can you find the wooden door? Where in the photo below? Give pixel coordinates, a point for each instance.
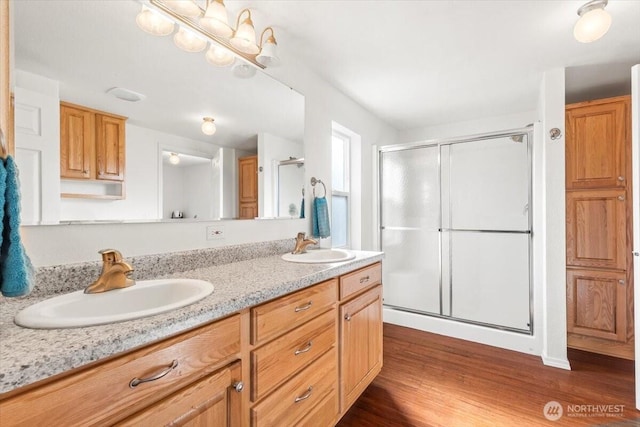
(110, 147)
(248, 187)
(597, 229)
(211, 401)
(596, 143)
(76, 142)
(361, 344)
(597, 304)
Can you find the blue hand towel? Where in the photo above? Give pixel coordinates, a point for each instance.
(17, 274)
(320, 218)
(302, 208)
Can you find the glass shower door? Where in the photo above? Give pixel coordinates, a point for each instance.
(410, 221)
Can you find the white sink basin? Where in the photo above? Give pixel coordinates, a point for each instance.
(319, 256)
(145, 298)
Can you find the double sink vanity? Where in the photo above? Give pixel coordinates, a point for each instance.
(278, 341)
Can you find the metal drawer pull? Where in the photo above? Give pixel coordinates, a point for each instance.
(621, 178)
(347, 317)
(364, 279)
(305, 307)
(304, 396)
(137, 381)
(238, 386)
(621, 281)
(620, 198)
(304, 350)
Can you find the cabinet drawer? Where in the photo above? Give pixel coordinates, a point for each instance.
(324, 414)
(300, 395)
(279, 316)
(102, 392)
(358, 280)
(274, 362)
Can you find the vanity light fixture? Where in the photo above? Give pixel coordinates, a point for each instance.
(594, 21)
(154, 23)
(244, 71)
(219, 56)
(184, 7)
(189, 41)
(208, 127)
(174, 159)
(267, 55)
(216, 20)
(244, 38)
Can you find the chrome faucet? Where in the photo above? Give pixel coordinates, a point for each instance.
(302, 243)
(114, 274)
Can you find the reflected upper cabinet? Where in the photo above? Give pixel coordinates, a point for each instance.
(596, 148)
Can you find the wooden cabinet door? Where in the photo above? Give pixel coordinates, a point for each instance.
(248, 187)
(110, 147)
(597, 304)
(211, 401)
(597, 229)
(361, 344)
(76, 142)
(596, 144)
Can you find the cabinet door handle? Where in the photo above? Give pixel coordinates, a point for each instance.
(621, 281)
(304, 350)
(621, 178)
(137, 381)
(364, 279)
(621, 198)
(238, 386)
(347, 317)
(304, 396)
(305, 307)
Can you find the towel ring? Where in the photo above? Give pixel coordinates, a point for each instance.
(315, 181)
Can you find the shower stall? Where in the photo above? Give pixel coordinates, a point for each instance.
(456, 227)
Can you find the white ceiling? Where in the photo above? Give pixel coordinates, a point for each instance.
(410, 63)
(419, 63)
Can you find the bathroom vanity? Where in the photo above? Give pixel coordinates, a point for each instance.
(276, 343)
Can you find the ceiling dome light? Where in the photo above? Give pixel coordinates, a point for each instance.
(594, 21)
(126, 94)
(184, 7)
(215, 19)
(267, 55)
(188, 41)
(208, 127)
(244, 38)
(153, 23)
(219, 56)
(174, 159)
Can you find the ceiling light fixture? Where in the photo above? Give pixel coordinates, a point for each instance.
(216, 20)
(594, 21)
(189, 41)
(211, 24)
(126, 94)
(267, 55)
(244, 38)
(174, 159)
(208, 127)
(153, 23)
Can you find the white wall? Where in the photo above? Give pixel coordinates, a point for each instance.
(173, 196)
(635, 144)
(323, 104)
(198, 183)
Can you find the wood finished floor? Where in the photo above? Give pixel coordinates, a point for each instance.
(431, 380)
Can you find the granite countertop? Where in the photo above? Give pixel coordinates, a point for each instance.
(30, 355)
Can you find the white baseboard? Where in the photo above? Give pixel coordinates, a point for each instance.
(556, 362)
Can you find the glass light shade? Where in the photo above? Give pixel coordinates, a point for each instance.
(208, 127)
(174, 159)
(187, 40)
(592, 25)
(184, 7)
(219, 56)
(153, 23)
(244, 71)
(244, 39)
(216, 21)
(268, 56)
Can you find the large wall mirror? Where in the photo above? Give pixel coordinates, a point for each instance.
(76, 51)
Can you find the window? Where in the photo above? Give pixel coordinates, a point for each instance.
(340, 196)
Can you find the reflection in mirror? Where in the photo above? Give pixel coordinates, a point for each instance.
(291, 188)
(189, 186)
(76, 51)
